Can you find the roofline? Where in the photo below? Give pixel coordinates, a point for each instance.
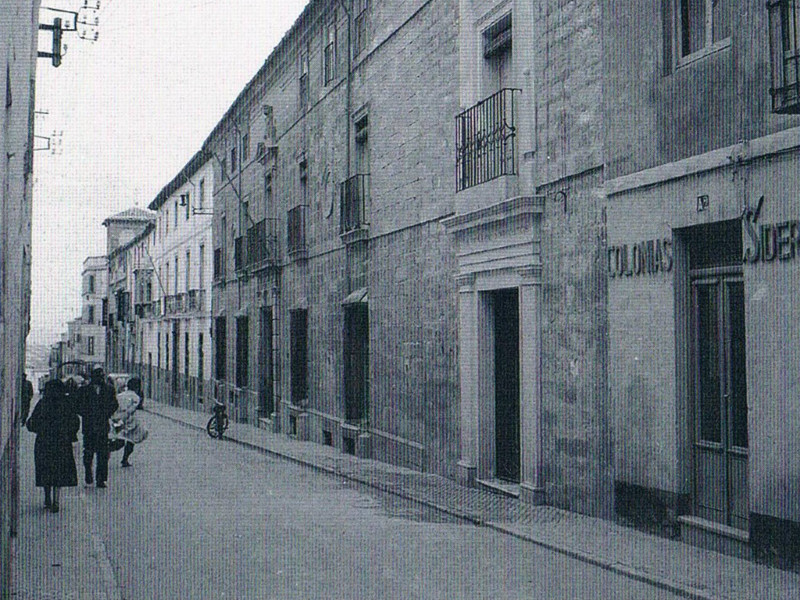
(190, 168)
(269, 63)
(114, 219)
(139, 237)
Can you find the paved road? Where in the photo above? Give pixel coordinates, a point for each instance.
(197, 518)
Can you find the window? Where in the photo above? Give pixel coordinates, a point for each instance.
(329, 53)
(268, 188)
(233, 159)
(158, 348)
(223, 167)
(219, 347)
(175, 289)
(784, 24)
(188, 270)
(303, 82)
(200, 268)
(360, 26)
(176, 213)
(298, 324)
(91, 284)
(245, 147)
(90, 318)
(187, 200)
(702, 26)
(166, 220)
(242, 347)
(201, 196)
(90, 346)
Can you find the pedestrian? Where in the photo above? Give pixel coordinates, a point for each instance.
(98, 402)
(27, 396)
(131, 431)
(55, 425)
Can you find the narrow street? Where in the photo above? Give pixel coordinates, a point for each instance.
(199, 518)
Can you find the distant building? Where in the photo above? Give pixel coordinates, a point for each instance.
(18, 52)
(92, 347)
(122, 228)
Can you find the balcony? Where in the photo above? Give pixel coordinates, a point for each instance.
(784, 22)
(354, 198)
(296, 232)
(486, 140)
(262, 244)
(195, 300)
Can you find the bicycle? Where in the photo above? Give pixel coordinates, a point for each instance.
(218, 423)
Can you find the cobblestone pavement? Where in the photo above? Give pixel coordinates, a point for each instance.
(671, 565)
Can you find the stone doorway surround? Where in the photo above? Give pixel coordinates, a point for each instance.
(499, 247)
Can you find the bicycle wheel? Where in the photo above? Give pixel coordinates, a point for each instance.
(211, 427)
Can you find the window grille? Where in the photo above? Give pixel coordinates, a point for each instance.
(784, 22)
(486, 140)
(354, 192)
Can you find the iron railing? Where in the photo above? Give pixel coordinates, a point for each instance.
(486, 140)
(784, 22)
(296, 229)
(354, 197)
(262, 243)
(195, 300)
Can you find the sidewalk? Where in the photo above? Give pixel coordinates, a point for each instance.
(57, 555)
(685, 570)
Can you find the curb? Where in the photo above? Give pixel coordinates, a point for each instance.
(607, 565)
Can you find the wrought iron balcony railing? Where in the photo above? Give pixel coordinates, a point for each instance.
(262, 244)
(784, 22)
(486, 140)
(354, 197)
(195, 300)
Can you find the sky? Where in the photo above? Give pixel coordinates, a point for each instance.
(123, 114)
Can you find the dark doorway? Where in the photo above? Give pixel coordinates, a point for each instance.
(220, 345)
(266, 401)
(298, 325)
(719, 378)
(242, 352)
(506, 384)
(176, 330)
(356, 361)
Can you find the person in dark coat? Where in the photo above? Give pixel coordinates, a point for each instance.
(27, 396)
(98, 401)
(55, 425)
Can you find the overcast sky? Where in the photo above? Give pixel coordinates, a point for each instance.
(131, 109)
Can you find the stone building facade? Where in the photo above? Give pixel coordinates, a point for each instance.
(18, 52)
(702, 162)
(341, 328)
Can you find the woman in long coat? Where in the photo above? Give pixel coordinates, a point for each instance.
(56, 425)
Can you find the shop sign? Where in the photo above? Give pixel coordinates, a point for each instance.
(768, 242)
(643, 258)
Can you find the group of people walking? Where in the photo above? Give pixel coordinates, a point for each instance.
(63, 410)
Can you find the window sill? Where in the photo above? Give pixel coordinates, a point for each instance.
(703, 53)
